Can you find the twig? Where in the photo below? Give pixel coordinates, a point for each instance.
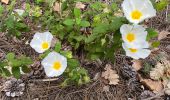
(167, 13)
(44, 80)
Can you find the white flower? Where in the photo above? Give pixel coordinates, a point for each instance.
(54, 64)
(20, 12)
(41, 41)
(138, 10)
(136, 53)
(134, 35)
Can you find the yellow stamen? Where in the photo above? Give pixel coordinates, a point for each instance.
(45, 45)
(57, 65)
(133, 50)
(136, 15)
(130, 37)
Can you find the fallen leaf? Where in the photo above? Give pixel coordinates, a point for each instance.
(163, 34)
(106, 88)
(137, 64)
(80, 5)
(157, 72)
(167, 90)
(155, 86)
(5, 1)
(57, 7)
(110, 75)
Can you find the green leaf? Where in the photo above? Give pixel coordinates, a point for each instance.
(86, 79)
(57, 47)
(16, 72)
(10, 56)
(77, 12)
(72, 63)
(101, 28)
(1, 9)
(114, 6)
(15, 62)
(84, 24)
(78, 21)
(161, 5)
(6, 72)
(155, 44)
(41, 56)
(64, 5)
(67, 54)
(10, 22)
(25, 60)
(25, 69)
(97, 5)
(94, 56)
(3, 64)
(82, 71)
(69, 22)
(117, 23)
(151, 33)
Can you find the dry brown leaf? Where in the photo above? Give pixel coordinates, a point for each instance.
(137, 64)
(155, 86)
(163, 34)
(167, 90)
(5, 1)
(80, 5)
(57, 7)
(106, 88)
(157, 72)
(110, 75)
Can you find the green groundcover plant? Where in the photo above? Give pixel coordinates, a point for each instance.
(98, 29)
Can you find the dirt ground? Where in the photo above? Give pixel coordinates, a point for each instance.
(38, 87)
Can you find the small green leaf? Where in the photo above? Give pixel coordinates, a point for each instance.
(151, 33)
(78, 21)
(73, 63)
(57, 47)
(69, 22)
(25, 60)
(86, 79)
(161, 5)
(10, 56)
(25, 69)
(16, 72)
(77, 12)
(67, 54)
(41, 56)
(2, 64)
(114, 6)
(6, 72)
(156, 44)
(1, 9)
(15, 62)
(84, 24)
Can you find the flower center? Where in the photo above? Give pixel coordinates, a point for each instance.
(130, 37)
(45, 45)
(133, 50)
(57, 65)
(136, 15)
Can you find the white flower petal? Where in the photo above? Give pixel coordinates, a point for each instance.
(145, 7)
(125, 28)
(48, 62)
(139, 35)
(143, 53)
(39, 39)
(140, 52)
